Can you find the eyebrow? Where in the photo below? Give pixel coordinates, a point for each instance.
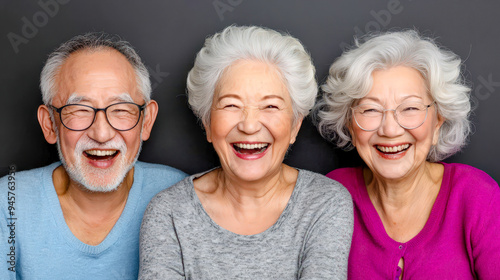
(124, 97)
(272, 96)
(75, 98)
(411, 96)
(230, 95)
(405, 97)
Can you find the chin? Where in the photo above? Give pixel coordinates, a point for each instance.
(250, 173)
(393, 172)
(95, 179)
(98, 180)
(102, 182)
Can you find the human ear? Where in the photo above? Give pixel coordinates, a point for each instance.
(295, 130)
(435, 136)
(353, 136)
(207, 131)
(150, 113)
(48, 127)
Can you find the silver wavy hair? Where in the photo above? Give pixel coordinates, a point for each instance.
(350, 80)
(94, 41)
(253, 43)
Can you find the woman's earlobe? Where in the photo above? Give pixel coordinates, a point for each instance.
(353, 138)
(435, 136)
(295, 130)
(207, 132)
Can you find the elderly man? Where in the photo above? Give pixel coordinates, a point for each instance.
(80, 218)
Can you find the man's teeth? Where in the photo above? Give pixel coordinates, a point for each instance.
(250, 146)
(101, 153)
(393, 149)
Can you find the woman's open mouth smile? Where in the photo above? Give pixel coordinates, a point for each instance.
(250, 151)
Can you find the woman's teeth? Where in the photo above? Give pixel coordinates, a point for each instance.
(394, 149)
(250, 148)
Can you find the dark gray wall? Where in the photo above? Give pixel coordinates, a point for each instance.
(168, 34)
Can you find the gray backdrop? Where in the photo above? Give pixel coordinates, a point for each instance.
(168, 34)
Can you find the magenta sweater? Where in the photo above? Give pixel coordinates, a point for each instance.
(461, 239)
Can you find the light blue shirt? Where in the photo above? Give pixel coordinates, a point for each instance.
(45, 247)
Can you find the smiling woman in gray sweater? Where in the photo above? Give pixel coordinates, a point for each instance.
(254, 217)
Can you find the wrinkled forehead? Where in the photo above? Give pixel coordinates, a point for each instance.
(249, 78)
(396, 85)
(96, 76)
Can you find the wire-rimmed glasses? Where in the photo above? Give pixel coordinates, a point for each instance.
(409, 115)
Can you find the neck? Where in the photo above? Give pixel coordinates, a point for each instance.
(90, 215)
(245, 207)
(398, 192)
(93, 204)
(257, 193)
(404, 205)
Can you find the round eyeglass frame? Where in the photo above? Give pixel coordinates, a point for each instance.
(395, 117)
(58, 110)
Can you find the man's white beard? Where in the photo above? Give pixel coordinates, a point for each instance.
(92, 178)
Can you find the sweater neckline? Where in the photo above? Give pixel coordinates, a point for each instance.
(240, 237)
(431, 224)
(113, 236)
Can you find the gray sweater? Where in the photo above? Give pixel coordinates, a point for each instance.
(310, 240)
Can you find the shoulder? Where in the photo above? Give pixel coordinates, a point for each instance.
(467, 177)
(323, 200)
(27, 192)
(470, 187)
(346, 174)
(459, 171)
(349, 177)
(160, 170)
(476, 196)
(317, 187)
(156, 177)
(174, 197)
(32, 177)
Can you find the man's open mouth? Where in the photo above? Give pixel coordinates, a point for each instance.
(101, 154)
(250, 149)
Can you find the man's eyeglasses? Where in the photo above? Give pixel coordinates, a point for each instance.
(121, 116)
(409, 115)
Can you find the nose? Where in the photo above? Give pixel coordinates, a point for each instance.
(101, 131)
(250, 121)
(389, 126)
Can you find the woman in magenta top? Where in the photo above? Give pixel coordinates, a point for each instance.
(400, 100)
